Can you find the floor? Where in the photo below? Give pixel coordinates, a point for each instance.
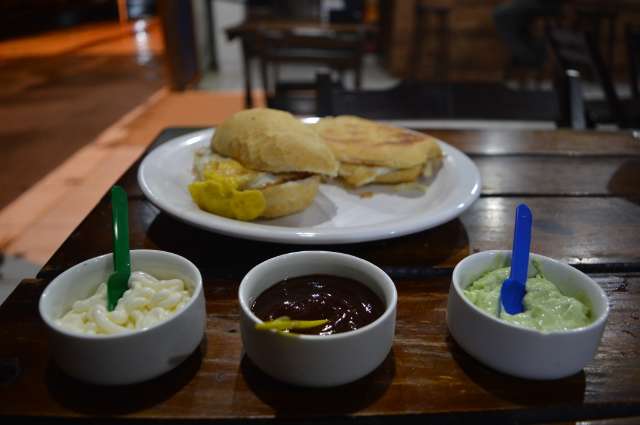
(33, 226)
(230, 75)
(58, 91)
(78, 107)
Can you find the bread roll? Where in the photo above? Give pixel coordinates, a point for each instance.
(289, 197)
(274, 141)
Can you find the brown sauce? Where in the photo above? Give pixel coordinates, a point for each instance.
(346, 303)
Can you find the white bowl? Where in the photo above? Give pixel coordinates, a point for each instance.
(315, 360)
(123, 358)
(517, 351)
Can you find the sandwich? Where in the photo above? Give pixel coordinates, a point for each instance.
(261, 163)
(371, 152)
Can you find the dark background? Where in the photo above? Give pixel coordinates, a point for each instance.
(26, 17)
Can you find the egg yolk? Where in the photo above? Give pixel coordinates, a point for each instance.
(229, 168)
(219, 194)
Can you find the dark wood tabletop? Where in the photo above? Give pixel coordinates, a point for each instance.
(584, 191)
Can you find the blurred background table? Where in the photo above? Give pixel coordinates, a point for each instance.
(584, 193)
(251, 31)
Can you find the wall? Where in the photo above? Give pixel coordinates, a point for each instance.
(476, 51)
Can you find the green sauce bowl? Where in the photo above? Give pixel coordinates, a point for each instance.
(515, 350)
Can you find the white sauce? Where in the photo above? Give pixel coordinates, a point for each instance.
(148, 301)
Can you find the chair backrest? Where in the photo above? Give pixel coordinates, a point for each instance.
(574, 50)
(632, 37)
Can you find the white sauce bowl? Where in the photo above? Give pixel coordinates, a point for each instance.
(129, 357)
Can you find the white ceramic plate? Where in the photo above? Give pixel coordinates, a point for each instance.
(337, 215)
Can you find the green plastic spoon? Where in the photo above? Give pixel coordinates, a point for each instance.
(119, 280)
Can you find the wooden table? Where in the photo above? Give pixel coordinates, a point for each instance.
(584, 190)
(247, 32)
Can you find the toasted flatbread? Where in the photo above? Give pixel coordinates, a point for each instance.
(274, 141)
(356, 140)
(359, 175)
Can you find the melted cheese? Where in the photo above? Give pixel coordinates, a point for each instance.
(225, 187)
(207, 163)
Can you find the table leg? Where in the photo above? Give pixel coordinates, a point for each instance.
(246, 62)
(211, 39)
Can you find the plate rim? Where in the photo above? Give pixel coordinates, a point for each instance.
(304, 235)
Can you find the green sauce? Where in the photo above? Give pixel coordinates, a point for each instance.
(545, 307)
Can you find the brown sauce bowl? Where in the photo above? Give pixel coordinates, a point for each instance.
(317, 360)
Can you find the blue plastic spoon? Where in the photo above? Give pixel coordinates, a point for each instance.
(514, 287)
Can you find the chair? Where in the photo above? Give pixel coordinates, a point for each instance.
(597, 18)
(632, 38)
(340, 52)
(576, 51)
(426, 17)
(407, 100)
(412, 99)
